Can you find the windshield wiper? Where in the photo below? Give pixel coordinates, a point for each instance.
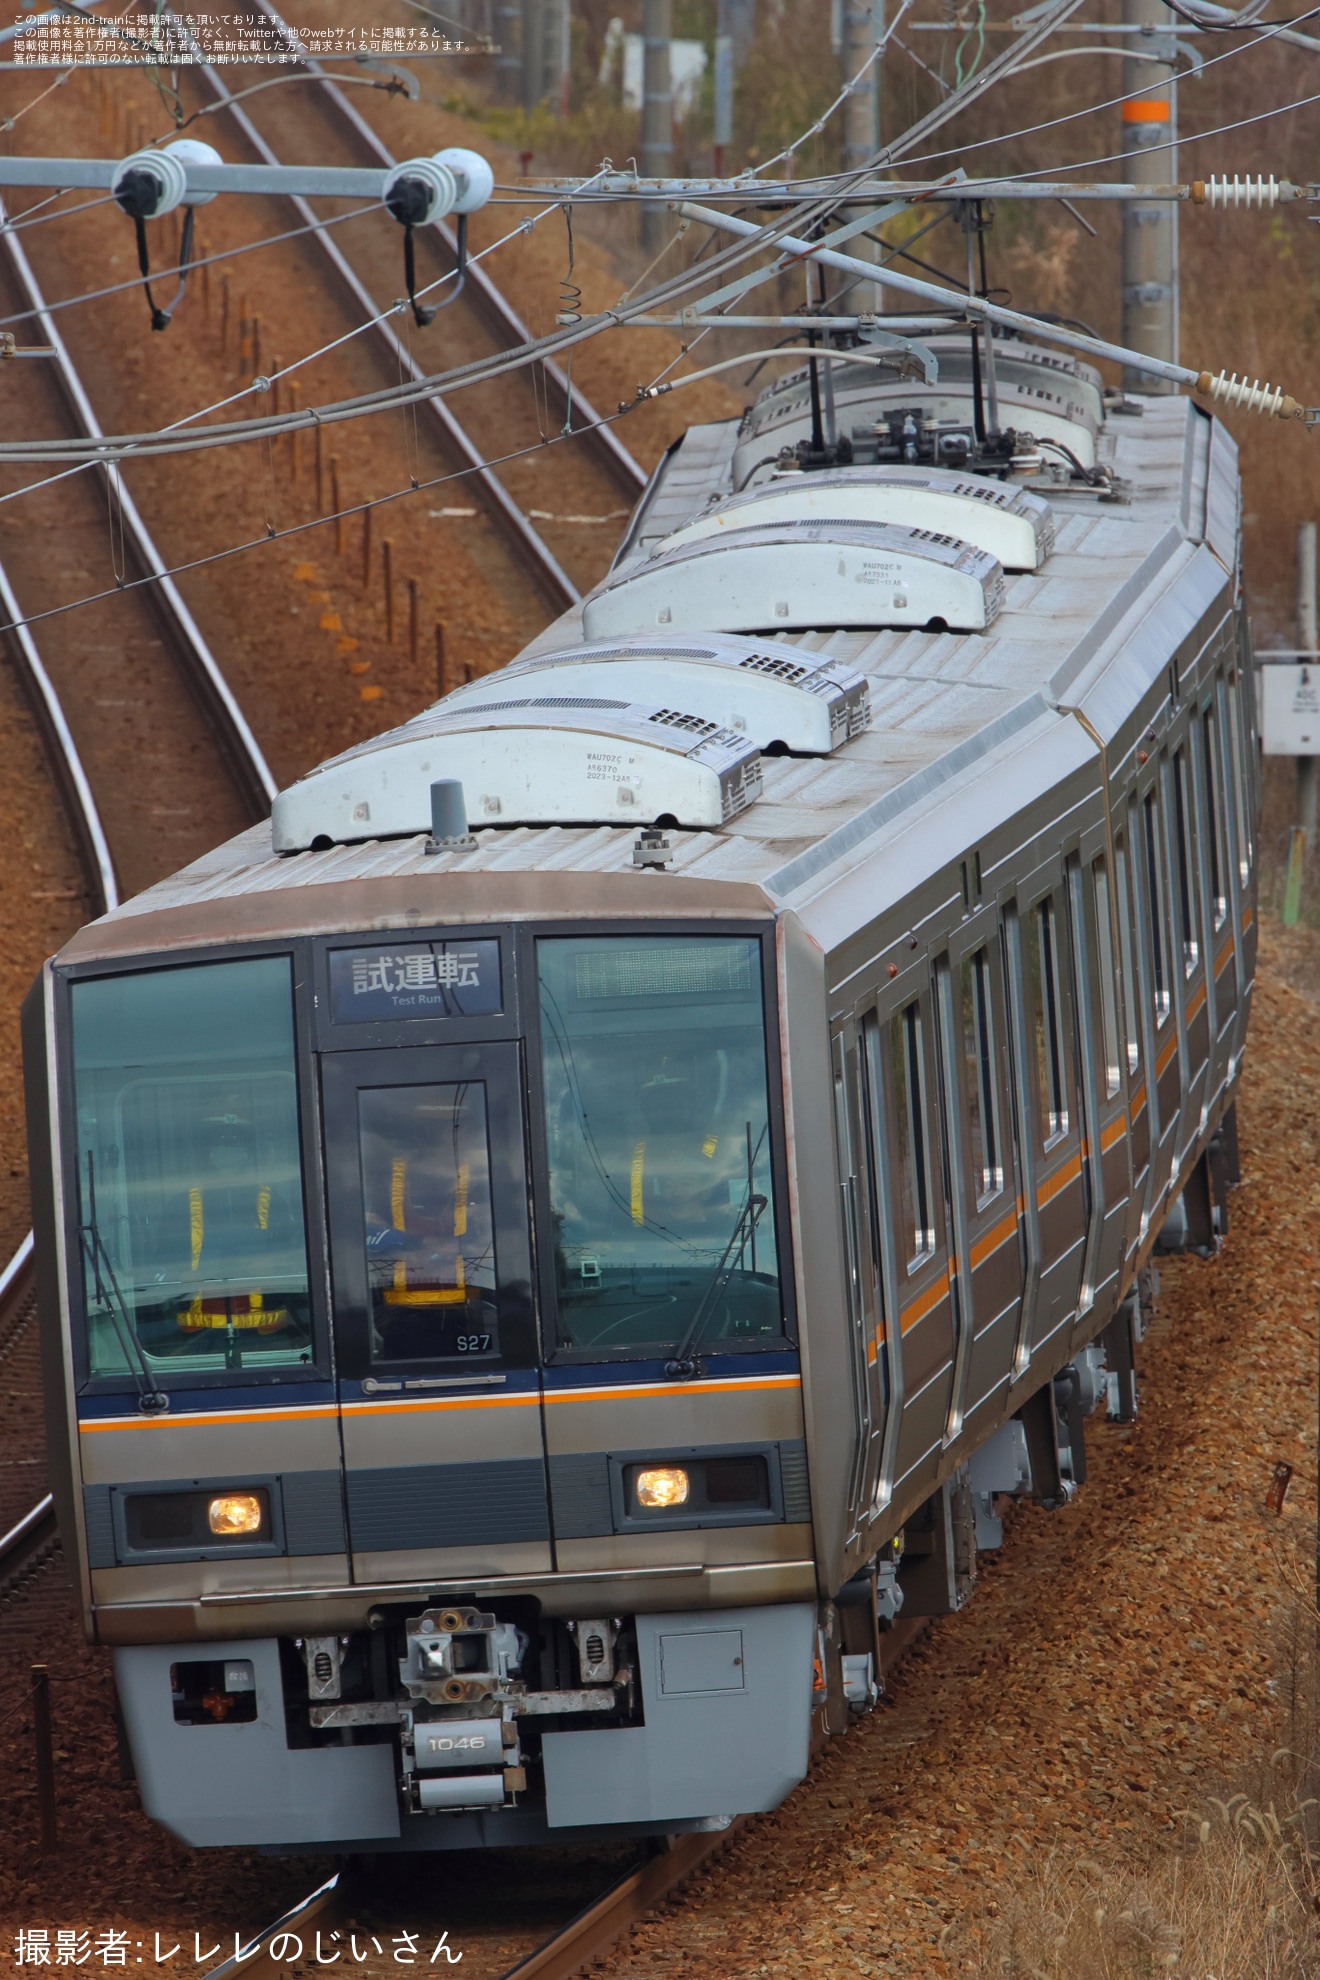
(108, 1295)
(684, 1363)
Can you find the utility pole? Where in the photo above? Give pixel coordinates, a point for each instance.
(1307, 642)
(508, 63)
(657, 109)
(860, 25)
(861, 111)
(533, 51)
(545, 41)
(1150, 232)
(556, 54)
(735, 24)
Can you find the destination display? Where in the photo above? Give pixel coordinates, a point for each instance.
(419, 979)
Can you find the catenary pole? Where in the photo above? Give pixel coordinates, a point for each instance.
(1150, 232)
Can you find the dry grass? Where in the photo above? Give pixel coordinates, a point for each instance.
(1235, 1896)
(1235, 1904)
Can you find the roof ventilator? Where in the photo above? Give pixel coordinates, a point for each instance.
(782, 698)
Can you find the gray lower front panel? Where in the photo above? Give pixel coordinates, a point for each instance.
(242, 1783)
(727, 1697)
(447, 1505)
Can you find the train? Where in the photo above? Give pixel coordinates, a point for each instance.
(557, 1242)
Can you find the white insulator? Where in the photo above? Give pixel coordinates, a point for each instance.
(1238, 192)
(1251, 395)
(193, 152)
(168, 173)
(420, 190)
(476, 181)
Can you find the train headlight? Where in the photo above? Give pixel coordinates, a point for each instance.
(234, 1512)
(662, 1485)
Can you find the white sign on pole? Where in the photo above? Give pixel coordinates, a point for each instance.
(1290, 708)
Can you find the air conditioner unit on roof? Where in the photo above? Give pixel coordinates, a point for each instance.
(777, 696)
(529, 760)
(779, 575)
(1011, 524)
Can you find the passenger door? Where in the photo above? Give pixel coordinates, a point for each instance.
(987, 1248)
(439, 1380)
(1054, 1184)
(923, 1339)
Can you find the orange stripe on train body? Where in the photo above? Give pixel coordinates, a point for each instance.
(1168, 1052)
(924, 1303)
(617, 1392)
(417, 1405)
(1052, 1185)
(1195, 1004)
(210, 1418)
(1005, 1229)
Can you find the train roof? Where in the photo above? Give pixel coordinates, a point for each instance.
(1132, 572)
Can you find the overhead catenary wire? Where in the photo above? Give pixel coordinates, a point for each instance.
(364, 508)
(763, 238)
(204, 261)
(247, 760)
(1093, 109)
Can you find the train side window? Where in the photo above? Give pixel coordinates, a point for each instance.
(979, 1056)
(1182, 828)
(910, 1119)
(1047, 1026)
(1214, 805)
(1108, 981)
(1155, 889)
(1238, 772)
(1133, 1037)
(872, 1058)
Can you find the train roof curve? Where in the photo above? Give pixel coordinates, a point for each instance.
(1131, 578)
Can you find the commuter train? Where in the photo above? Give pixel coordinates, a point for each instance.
(554, 1242)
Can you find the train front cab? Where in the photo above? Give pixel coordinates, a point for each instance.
(429, 1362)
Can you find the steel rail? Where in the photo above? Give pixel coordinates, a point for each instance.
(245, 760)
(494, 305)
(326, 1904)
(34, 1532)
(80, 802)
(36, 1526)
(526, 538)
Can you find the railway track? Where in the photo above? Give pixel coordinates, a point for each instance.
(185, 708)
(329, 123)
(587, 1936)
(167, 719)
(494, 307)
(591, 1932)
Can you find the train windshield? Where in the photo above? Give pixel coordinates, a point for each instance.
(189, 1192)
(658, 1127)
